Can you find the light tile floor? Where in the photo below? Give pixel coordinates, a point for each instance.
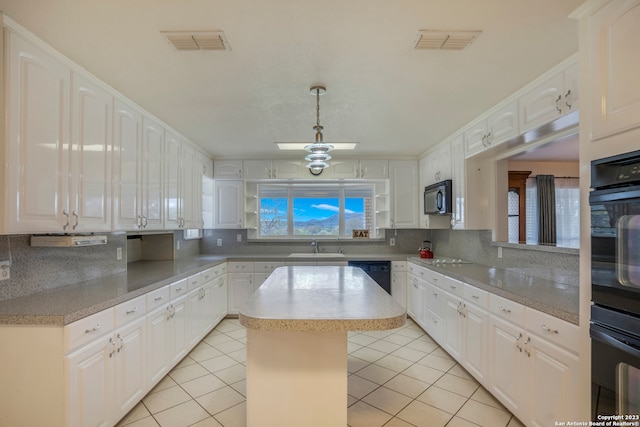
(397, 378)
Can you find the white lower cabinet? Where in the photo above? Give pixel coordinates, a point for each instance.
(399, 282)
(239, 285)
(524, 357)
(104, 378)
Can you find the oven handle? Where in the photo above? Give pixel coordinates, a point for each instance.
(614, 194)
(596, 333)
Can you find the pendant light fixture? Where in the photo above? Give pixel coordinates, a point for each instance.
(319, 150)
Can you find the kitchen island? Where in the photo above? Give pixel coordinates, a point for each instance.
(297, 324)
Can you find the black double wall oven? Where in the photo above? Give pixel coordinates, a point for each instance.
(615, 277)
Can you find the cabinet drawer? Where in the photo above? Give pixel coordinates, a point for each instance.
(194, 281)
(178, 289)
(220, 269)
(553, 329)
(476, 296)
(239, 267)
(158, 298)
(86, 330)
(414, 269)
(398, 266)
(130, 310)
(450, 285)
(507, 309)
(266, 267)
(207, 275)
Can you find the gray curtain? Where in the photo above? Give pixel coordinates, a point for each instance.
(546, 209)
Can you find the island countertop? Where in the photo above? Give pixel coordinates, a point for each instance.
(321, 298)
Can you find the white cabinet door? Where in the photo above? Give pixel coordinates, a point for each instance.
(554, 379)
(509, 379)
(89, 373)
(127, 150)
(219, 298)
(458, 182)
(239, 290)
(374, 169)
(90, 165)
(227, 169)
(130, 380)
(157, 344)
(285, 169)
(173, 175)
(453, 326)
(614, 93)
(38, 89)
(404, 194)
(229, 204)
(152, 177)
(399, 287)
(256, 169)
(191, 188)
(177, 331)
(476, 137)
(475, 341)
(546, 102)
(344, 169)
(416, 299)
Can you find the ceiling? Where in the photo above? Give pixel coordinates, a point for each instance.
(381, 92)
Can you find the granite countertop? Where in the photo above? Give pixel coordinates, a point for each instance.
(554, 298)
(64, 305)
(321, 298)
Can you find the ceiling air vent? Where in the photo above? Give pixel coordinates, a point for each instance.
(197, 40)
(445, 40)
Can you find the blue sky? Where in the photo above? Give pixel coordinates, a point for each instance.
(318, 208)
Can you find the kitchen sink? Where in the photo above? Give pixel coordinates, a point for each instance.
(314, 255)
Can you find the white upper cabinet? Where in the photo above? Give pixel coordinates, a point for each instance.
(59, 168)
(152, 177)
(368, 169)
(613, 68)
(404, 193)
(90, 160)
(274, 169)
(552, 98)
(227, 169)
(228, 204)
(173, 196)
(127, 151)
(493, 130)
(37, 158)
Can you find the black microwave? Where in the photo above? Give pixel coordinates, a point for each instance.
(437, 198)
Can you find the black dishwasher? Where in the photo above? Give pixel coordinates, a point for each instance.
(380, 271)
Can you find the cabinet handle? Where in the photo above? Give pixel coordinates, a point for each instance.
(95, 328)
(121, 343)
(547, 329)
(179, 289)
(75, 215)
(113, 347)
(526, 348)
(506, 310)
(475, 297)
(144, 221)
(567, 96)
(453, 287)
(132, 311)
(518, 342)
(66, 214)
(161, 297)
(435, 294)
(558, 108)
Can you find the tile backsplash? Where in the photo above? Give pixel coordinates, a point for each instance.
(35, 269)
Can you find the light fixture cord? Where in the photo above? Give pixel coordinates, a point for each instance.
(318, 108)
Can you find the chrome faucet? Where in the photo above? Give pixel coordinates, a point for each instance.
(315, 245)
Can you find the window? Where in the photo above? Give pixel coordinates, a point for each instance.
(567, 191)
(319, 210)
